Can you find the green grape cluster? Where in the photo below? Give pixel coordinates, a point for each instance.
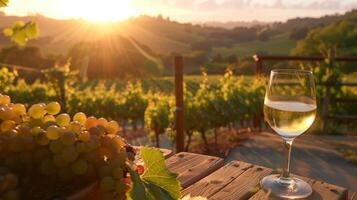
(60, 151)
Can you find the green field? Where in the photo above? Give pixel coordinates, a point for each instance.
(280, 44)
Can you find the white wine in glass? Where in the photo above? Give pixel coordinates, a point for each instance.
(290, 110)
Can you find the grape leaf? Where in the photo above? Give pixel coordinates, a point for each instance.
(157, 181)
(138, 189)
(3, 3)
(8, 32)
(31, 30)
(20, 32)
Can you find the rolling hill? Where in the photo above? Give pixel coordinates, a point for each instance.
(164, 36)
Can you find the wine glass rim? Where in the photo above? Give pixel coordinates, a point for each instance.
(291, 71)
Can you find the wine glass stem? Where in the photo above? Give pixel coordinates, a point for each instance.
(286, 165)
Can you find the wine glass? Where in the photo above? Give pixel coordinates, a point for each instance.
(289, 109)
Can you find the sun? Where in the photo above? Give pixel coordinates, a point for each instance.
(105, 10)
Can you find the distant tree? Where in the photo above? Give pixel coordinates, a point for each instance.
(264, 35)
(341, 35)
(298, 33)
(26, 56)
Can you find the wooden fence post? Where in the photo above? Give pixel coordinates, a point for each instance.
(331, 57)
(258, 64)
(180, 138)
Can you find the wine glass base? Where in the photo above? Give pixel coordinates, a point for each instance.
(298, 190)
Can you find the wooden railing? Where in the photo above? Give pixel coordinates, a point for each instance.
(328, 84)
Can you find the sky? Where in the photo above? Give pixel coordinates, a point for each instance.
(180, 10)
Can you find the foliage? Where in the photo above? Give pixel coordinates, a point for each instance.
(158, 115)
(21, 32)
(6, 78)
(3, 3)
(28, 56)
(340, 35)
(156, 182)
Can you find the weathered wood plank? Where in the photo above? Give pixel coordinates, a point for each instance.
(321, 191)
(211, 184)
(192, 167)
(244, 186)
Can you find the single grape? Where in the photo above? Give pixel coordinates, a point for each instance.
(81, 147)
(107, 141)
(101, 129)
(7, 125)
(93, 157)
(107, 184)
(106, 152)
(91, 122)
(12, 181)
(80, 117)
(84, 136)
(112, 127)
(19, 109)
(79, 167)
(53, 108)
(75, 127)
(4, 99)
(69, 154)
(119, 142)
(121, 157)
(42, 139)
(47, 167)
(93, 142)
(94, 131)
(49, 118)
(56, 146)
(59, 162)
(102, 121)
(52, 132)
(41, 154)
(118, 173)
(7, 113)
(117, 163)
(68, 138)
(37, 111)
(63, 119)
(105, 171)
(36, 130)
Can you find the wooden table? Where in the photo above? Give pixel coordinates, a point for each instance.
(207, 176)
